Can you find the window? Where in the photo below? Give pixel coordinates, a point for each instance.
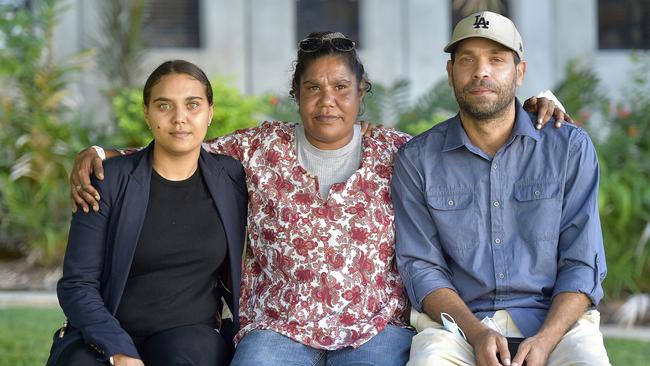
(462, 8)
(328, 15)
(172, 23)
(624, 24)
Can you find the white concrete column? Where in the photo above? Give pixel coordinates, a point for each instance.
(272, 27)
(536, 22)
(381, 40)
(223, 34)
(429, 29)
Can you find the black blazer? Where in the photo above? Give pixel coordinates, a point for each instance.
(101, 248)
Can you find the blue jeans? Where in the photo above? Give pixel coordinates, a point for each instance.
(267, 348)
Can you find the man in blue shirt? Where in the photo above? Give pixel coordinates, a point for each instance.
(497, 223)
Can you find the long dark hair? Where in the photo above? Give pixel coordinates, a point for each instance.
(176, 67)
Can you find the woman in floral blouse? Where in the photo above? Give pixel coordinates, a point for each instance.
(319, 282)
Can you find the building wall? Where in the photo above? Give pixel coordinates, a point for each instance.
(252, 43)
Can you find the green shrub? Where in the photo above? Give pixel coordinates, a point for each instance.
(39, 133)
(622, 139)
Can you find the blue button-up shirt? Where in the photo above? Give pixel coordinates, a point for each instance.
(504, 232)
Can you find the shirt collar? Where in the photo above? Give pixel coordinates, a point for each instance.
(457, 137)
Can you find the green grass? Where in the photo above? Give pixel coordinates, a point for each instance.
(627, 352)
(26, 336)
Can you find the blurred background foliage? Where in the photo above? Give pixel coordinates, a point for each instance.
(621, 133)
(41, 132)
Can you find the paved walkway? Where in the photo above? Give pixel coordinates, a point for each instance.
(48, 300)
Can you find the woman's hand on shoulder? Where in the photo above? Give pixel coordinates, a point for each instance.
(82, 193)
(124, 360)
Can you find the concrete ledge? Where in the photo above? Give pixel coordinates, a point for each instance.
(47, 299)
(637, 333)
(32, 299)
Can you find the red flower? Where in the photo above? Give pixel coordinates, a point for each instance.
(384, 171)
(291, 297)
(347, 319)
(289, 216)
(282, 184)
(303, 246)
(385, 251)
(303, 198)
(622, 112)
(326, 212)
(353, 295)
(284, 136)
(385, 196)
(268, 235)
(359, 234)
(272, 313)
(304, 274)
(269, 209)
(334, 258)
(284, 262)
(273, 157)
(366, 186)
(359, 209)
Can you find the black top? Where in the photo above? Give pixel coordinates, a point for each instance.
(176, 264)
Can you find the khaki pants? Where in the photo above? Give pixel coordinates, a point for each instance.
(434, 345)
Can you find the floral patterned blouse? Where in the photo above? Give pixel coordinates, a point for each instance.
(319, 271)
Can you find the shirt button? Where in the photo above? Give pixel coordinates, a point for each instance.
(494, 166)
(497, 241)
(496, 204)
(450, 202)
(501, 275)
(537, 193)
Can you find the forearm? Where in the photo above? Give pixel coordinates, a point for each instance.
(446, 300)
(565, 310)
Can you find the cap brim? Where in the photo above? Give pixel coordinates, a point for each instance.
(451, 46)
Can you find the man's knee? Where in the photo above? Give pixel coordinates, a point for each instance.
(434, 346)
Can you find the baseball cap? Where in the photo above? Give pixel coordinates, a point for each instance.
(486, 24)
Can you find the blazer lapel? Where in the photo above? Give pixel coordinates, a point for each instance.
(129, 225)
(225, 196)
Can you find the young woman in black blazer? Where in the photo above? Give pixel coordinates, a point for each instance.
(144, 278)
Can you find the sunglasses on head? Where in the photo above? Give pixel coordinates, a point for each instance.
(313, 44)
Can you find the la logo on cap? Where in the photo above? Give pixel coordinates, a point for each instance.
(480, 22)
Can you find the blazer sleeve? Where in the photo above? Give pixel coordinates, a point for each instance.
(79, 290)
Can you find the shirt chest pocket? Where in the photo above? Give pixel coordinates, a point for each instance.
(538, 209)
(455, 217)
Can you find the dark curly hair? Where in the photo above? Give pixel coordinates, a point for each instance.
(306, 58)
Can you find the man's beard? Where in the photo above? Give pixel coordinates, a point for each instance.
(485, 110)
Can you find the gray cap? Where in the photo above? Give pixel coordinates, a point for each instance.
(486, 24)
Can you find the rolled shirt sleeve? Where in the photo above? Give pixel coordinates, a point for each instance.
(581, 262)
(420, 259)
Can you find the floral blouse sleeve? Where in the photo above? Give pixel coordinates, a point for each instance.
(240, 145)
